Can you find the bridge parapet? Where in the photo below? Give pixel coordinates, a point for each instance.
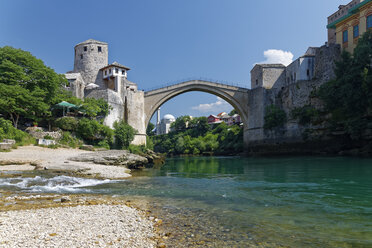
(212, 83)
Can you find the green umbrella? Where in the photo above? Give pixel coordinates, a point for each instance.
(64, 105)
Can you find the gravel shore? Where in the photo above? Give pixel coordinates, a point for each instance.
(78, 226)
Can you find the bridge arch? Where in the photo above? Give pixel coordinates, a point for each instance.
(236, 96)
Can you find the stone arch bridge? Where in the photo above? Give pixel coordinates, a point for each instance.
(238, 97)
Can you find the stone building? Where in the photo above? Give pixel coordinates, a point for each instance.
(349, 23)
(340, 13)
(275, 76)
(94, 77)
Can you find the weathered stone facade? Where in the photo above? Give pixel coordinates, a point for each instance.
(94, 77)
(288, 97)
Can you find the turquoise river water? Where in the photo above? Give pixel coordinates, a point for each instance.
(244, 202)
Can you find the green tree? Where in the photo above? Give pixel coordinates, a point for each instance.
(181, 123)
(349, 97)
(233, 112)
(95, 107)
(124, 134)
(18, 67)
(149, 129)
(27, 86)
(274, 117)
(15, 101)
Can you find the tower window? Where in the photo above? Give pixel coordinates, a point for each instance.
(81, 56)
(85, 48)
(308, 72)
(105, 72)
(99, 49)
(123, 72)
(256, 81)
(109, 71)
(116, 70)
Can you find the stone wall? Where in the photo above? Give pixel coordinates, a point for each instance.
(324, 62)
(39, 133)
(134, 101)
(114, 100)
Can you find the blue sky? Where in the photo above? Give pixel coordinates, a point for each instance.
(169, 40)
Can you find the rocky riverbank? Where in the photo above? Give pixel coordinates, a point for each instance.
(112, 164)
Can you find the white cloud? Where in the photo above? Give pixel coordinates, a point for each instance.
(219, 106)
(274, 56)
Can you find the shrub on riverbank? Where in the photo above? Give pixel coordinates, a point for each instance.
(8, 131)
(94, 133)
(124, 134)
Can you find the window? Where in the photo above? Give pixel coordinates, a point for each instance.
(356, 31)
(81, 56)
(99, 49)
(256, 81)
(105, 72)
(369, 21)
(116, 70)
(345, 35)
(308, 72)
(110, 71)
(85, 48)
(123, 72)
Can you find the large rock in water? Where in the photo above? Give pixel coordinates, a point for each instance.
(113, 157)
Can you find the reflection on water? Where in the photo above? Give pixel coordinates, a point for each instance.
(292, 202)
(243, 202)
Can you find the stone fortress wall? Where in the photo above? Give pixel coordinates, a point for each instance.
(288, 96)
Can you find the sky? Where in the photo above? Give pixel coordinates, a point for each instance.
(165, 41)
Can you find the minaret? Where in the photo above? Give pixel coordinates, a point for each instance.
(158, 123)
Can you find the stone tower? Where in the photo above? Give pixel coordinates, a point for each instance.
(90, 56)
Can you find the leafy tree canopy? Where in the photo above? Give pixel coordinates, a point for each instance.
(21, 68)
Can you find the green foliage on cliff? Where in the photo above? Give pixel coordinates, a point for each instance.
(196, 137)
(124, 134)
(305, 115)
(274, 117)
(349, 97)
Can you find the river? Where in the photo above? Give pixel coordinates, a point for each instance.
(244, 202)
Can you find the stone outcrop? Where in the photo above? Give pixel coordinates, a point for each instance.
(113, 157)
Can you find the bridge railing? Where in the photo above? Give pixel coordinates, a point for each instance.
(177, 82)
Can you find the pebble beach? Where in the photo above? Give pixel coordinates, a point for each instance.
(78, 226)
